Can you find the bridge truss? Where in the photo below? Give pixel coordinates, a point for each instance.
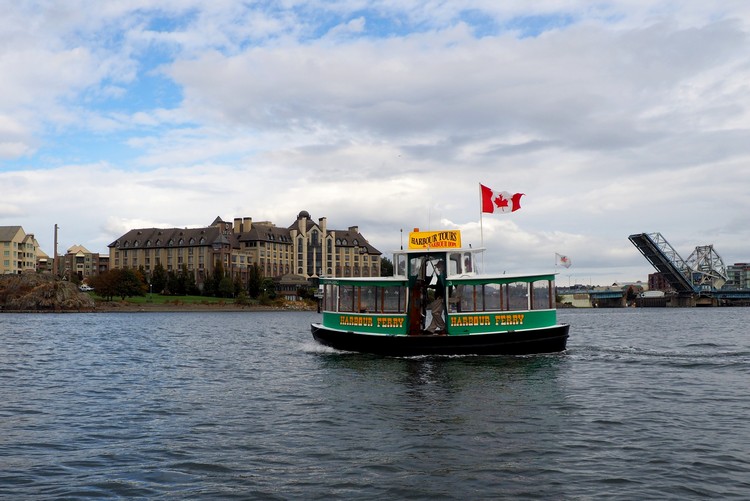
(704, 270)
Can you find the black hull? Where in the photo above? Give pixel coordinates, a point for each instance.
(545, 340)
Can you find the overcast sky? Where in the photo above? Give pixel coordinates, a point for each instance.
(613, 117)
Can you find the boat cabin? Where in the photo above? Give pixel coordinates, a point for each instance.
(474, 303)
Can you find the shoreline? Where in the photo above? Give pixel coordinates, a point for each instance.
(125, 307)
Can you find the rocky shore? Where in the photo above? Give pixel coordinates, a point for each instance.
(34, 292)
(41, 292)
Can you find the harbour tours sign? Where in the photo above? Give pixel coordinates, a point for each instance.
(446, 239)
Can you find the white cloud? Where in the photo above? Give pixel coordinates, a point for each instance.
(618, 118)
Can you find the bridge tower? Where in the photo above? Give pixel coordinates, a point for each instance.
(703, 270)
(707, 267)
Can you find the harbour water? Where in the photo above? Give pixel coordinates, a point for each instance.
(645, 404)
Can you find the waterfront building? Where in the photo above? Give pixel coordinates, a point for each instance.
(306, 248)
(79, 261)
(18, 250)
(658, 282)
(320, 251)
(43, 261)
(738, 276)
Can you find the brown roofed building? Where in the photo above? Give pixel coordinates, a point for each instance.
(196, 248)
(305, 248)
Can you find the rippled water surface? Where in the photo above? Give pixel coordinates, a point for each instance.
(645, 404)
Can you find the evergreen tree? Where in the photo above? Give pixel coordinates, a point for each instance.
(238, 287)
(254, 281)
(191, 287)
(242, 298)
(182, 277)
(269, 288)
(216, 278)
(159, 279)
(172, 285)
(226, 288)
(386, 267)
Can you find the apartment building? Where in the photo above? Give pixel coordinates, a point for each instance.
(738, 275)
(79, 261)
(305, 248)
(18, 250)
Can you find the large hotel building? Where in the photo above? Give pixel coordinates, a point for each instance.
(306, 249)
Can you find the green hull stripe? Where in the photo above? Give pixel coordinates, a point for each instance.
(458, 323)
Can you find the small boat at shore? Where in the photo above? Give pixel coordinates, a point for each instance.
(474, 313)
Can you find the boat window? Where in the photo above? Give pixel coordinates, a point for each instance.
(517, 296)
(454, 264)
(415, 266)
(466, 298)
(431, 270)
(364, 299)
(394, 299)
(368, 299)
(381, 299)
(347, 298)
(400, 266)
(542, 298)
(330, 297)
(493, 298)
(468, 262)
(455, 295)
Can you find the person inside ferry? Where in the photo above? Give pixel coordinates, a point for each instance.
(437, 304)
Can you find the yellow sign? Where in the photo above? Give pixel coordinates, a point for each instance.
(446, 239)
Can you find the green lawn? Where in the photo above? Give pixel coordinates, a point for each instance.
(159, 299)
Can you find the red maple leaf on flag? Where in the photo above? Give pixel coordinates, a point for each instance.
(500, 201)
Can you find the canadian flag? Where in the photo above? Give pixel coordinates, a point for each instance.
(499, 201)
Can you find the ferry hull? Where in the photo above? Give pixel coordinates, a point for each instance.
(522, 342)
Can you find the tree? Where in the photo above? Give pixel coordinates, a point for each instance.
(105, 284)
(172, 283)
(269, 288)
(190, 286)
(119, 282)
(242, 298)
(129, 283)
(159, 279)
(212, 283)
(306, 292)
(225, 288)
(386, 267)
(182, 279)
(254, 281)
(237, 285)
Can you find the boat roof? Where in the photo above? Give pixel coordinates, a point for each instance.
(383, 281)
(440, 250)
(465, 278)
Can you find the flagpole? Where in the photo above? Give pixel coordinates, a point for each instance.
(557, 263)
(481, 222)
